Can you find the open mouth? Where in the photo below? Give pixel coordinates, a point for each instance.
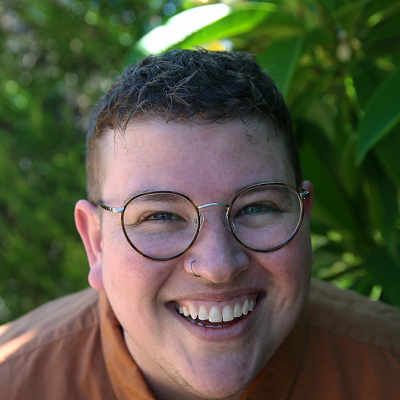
(217, 316)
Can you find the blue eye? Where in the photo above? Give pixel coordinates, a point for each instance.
(259, 208)
(162, 216)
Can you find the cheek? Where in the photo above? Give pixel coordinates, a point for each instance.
(289, 268)
(131, 281)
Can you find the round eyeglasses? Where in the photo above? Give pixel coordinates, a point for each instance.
(162, 225)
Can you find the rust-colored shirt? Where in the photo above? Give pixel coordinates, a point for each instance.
(343, 347)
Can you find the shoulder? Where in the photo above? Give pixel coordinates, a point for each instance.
(51, 322)
(349, 315)
(49, 350)
(352, 347)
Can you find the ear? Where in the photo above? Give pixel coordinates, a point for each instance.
(88, 224)
(309, 202)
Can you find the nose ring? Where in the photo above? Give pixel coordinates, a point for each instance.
(191, 268)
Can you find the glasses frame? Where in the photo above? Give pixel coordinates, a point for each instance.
(301, 194)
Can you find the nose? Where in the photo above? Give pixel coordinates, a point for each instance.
(218, 256)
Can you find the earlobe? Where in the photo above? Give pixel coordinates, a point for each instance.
(88, 225)
(309, 202)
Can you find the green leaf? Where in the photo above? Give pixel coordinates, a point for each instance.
(388, 153)
(382, 113)
(281, 59)
(282, 26)
(348, 14)
(381, 200)
(367, 77)
(385, 269)
(385, 26)
(201, 25)
(179, 27)
(243, 18)
(331, 206)
(349, 8)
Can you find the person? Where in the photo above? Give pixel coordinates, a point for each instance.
(198, 240)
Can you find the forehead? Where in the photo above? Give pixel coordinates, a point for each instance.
(193, 158)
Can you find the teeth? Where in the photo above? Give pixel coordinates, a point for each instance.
(192, 311)
(227, 314)
(237, 312)
(203, 314)
(215, 314)
(245, 308)
(251, 305)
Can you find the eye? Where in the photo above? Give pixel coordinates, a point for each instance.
(161, 216)
(259, 208)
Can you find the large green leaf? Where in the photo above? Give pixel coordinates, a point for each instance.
(382, 113)
(201, 25)
(386, 271)
(388, 153)
(282, 26)
(332, 207)
(177, 28)
(281, 59)
(381, 200)
(242, 18)
(366, 78)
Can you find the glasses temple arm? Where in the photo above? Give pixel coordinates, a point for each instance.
(114, 210)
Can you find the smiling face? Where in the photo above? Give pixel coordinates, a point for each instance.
(172, 319)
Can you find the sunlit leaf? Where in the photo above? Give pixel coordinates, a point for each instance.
(242, 18)
(201, 25)
(180, 27)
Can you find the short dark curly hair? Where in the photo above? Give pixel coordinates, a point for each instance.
(194, 86)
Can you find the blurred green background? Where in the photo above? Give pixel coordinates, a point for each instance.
(336, 62)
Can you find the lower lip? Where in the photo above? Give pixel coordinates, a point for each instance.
(229, 332)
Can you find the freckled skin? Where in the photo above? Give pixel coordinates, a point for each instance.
(207, 163)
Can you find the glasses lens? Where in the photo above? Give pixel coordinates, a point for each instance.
(160, 225)
(265, 217)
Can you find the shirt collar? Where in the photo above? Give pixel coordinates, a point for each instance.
(125, 375)
(276, 380)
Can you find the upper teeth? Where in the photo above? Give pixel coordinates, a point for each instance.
(214, 315)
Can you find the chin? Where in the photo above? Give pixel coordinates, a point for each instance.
(223, 378)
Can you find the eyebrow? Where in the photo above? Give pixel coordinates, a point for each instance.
(164, 197)
(169, 197)
(172, 197)
(239, 189)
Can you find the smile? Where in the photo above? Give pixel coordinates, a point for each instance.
(217, 314)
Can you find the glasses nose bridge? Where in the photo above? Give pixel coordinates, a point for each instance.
(224, 216)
